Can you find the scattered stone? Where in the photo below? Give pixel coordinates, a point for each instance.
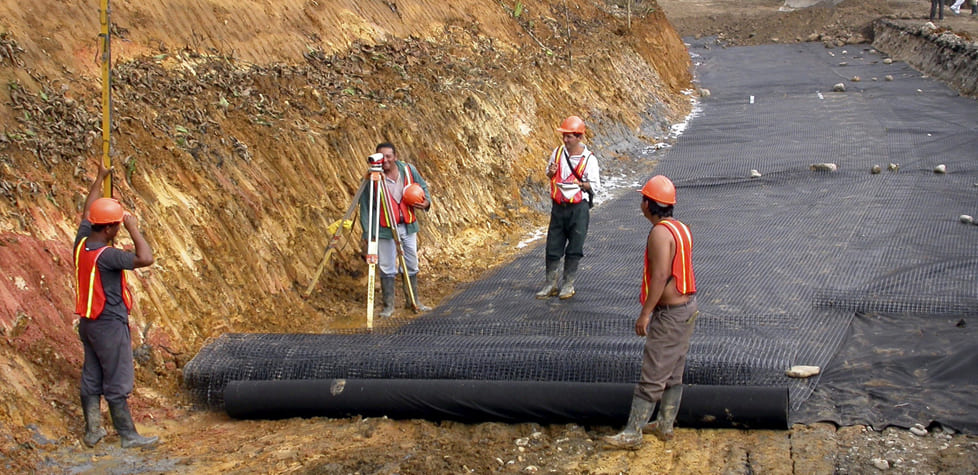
(823, 167)
(881, 464)
(966, 219)
(918, 430)
(839, 87)
(888, 77)
(843, 63)
(876, 79)
(942, 168)
(893, 167)
(802, 371)
(888, 61)
(755, 174)
(875, 169)
(856, 79)
(704, 92)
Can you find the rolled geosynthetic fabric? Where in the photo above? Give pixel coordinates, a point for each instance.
(748, 407)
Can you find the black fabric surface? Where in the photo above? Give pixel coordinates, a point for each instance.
(501, 401)
(861, 274)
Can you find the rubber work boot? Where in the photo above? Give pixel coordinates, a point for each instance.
(631, 437)
(414, 288)
(661, 427)
(570, 273)
(122, 420)
(92, 409)
(550, 289)
(387, 293)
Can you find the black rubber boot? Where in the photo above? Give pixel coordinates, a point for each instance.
(668, 409)
(414, 289)
(387, 293)
(631, 437)
(570, 274)
(550, 289)
(122, 420)
(92, 409)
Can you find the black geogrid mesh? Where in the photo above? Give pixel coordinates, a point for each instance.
(783, 261)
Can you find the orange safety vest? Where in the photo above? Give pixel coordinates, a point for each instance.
(555, 192)
(402, 212)
(682, 262)
(90, 298)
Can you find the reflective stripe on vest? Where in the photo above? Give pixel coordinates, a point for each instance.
(90, 295)
(402, 212)
(555, 192)
(682, 262)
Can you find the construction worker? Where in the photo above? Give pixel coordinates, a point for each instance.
(666, 320)
(397, 177)
(574, 178)
(103, 302)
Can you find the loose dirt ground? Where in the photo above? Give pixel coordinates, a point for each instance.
(211, 443)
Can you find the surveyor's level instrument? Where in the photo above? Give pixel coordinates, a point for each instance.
(105, 36)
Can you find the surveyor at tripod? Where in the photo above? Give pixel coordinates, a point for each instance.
(103, 302)
(573, 174)
(401, 183)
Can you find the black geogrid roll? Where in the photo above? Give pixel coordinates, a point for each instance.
(783, 262)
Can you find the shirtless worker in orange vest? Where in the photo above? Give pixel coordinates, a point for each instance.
(666, 320)
(103, 302)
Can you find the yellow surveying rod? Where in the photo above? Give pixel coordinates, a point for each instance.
(106, 96)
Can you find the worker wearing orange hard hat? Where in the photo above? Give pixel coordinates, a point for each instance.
(574, 178)
(102, 304)
(407, 192)
(667, 318)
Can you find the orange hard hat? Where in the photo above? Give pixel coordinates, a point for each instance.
(105, 211)
(413, 194)
(572, 125)
(660, 189)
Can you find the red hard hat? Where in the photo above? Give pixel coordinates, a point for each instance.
(105, 211)
(413, 194)
(660, 189)
(572, 125)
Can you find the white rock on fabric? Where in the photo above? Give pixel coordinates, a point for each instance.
(942, 168)
(823, 167)
(803, 371)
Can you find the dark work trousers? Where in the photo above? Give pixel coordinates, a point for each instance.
(935, 7)
(108, 367)
(568, 230)
(666, 345)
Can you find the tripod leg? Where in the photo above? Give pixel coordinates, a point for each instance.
(373, 235)
(400, 251)
(334, 238)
